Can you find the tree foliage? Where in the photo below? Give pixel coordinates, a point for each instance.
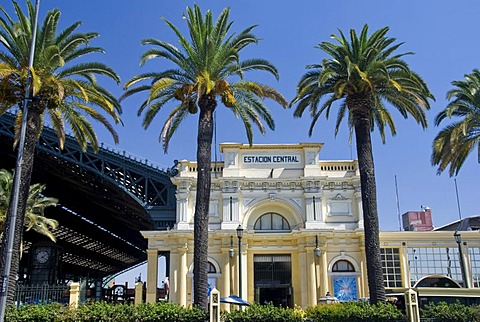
(366, 75)
(64, 92)
(206, 69)
(454, 143)
(35, 213)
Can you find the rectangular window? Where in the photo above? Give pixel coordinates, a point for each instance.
(392, 271)
(424, 261)
(475, 260)
(271, 270)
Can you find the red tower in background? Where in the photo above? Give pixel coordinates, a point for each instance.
(418, 220)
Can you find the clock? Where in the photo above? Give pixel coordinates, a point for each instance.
(42, 257)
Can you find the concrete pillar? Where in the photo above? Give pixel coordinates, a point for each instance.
(244, 272)
(174, 277)
(324, 285)
(138, 293)
(181, 288)
(312, 292)
(152, 275)
(74, 300)
(363, 277)
(302, 256)
(226, 277)
(405, 266)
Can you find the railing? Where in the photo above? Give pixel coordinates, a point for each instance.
(148, 182)
(338, 165)
(216, 166)
(44, 293)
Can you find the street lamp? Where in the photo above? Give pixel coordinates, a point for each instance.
(317, 250)
(239, 236)
(231, 252)
(458, 239)
(317, 253)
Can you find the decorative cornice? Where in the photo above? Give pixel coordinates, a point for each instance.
(298, 146)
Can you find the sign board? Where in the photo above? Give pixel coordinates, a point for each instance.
(271, 158)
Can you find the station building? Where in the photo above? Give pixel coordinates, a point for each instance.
(301, 226)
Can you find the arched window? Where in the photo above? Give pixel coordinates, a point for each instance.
(343, 266)
(211, 268)
(272, 221)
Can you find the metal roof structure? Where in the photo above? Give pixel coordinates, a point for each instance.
(105, 200)
(465, 224)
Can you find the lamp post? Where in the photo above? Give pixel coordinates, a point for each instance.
(317, 253)
(239, 236)
(317, 250)
(231, 252)
(10, 231)
(458, 239)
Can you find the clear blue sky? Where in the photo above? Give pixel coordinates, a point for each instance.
(442, 34)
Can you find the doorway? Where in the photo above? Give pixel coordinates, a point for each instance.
(273, 280)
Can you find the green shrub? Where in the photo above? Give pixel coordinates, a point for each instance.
(104, 312)
(39, 313)
(264, 313)
(475, 312)
(455, 312)
(353, 312)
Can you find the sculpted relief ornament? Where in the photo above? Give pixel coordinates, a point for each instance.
(311, 157)
(230, 158)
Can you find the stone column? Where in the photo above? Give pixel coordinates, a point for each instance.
(181, 287)
(405, 265)
(152, 275)
(74, 295)
(138, 293)
(226, 277)
(311, 279)
(302, 256)
(363, 291)
(324, 286)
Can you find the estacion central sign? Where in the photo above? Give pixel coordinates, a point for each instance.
(278, 158)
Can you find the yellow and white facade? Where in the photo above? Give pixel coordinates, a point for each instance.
(302, 232)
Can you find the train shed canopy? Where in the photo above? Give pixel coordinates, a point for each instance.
(104, 203)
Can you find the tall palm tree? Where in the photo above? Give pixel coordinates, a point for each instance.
(456, 141)
(364, 74)
(62, 90)
(35, 211)
(205, 69)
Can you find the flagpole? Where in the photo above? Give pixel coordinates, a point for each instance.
(458, 200)
(10, 228)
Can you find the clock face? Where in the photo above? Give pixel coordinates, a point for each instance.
(42, 257)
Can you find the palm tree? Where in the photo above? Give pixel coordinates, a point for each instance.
(62, 90)
(35, 211)
(364, 74)
(204, 70)
(455, 142)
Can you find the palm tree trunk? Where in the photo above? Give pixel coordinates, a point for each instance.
(33, 117)
(360, 109)
(207, 104)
